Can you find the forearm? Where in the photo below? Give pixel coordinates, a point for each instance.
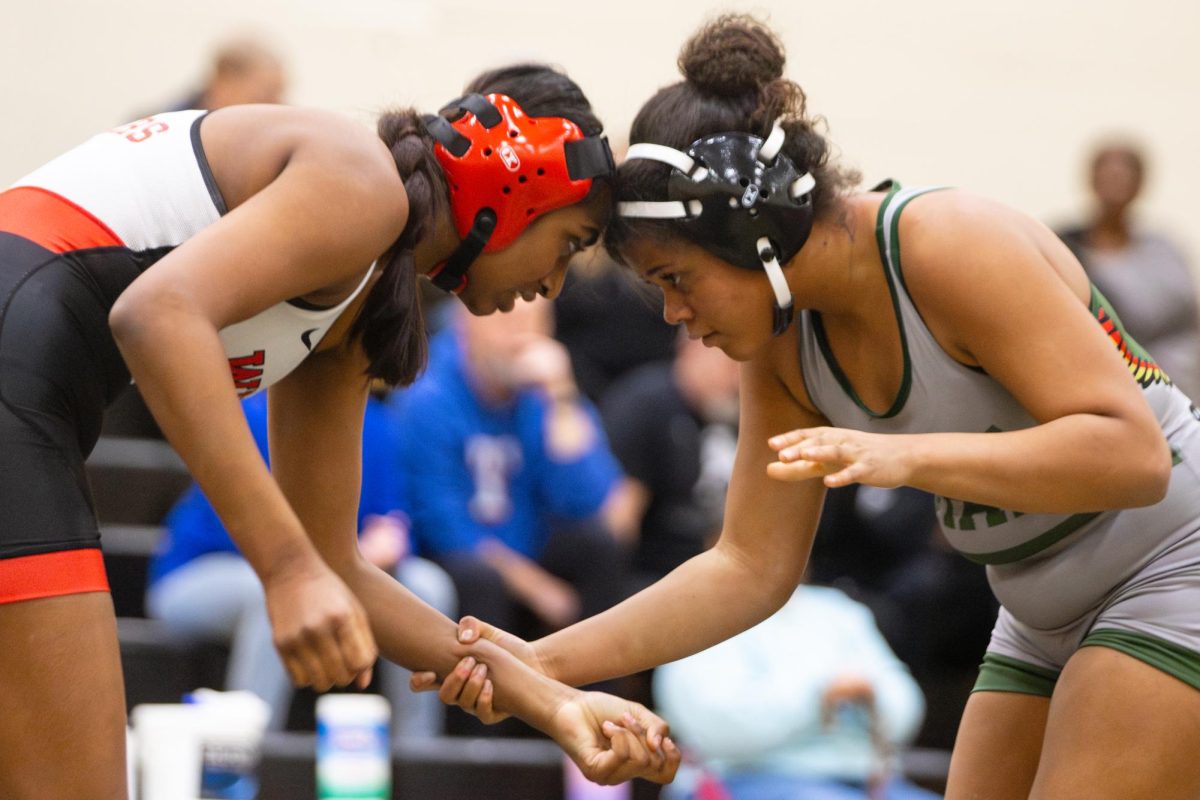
(704, 601)
(408, 631)
(416, 636)
(1077, 463)
(520, 689)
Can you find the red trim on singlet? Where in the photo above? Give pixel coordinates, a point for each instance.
(52, 574)
(52, 221)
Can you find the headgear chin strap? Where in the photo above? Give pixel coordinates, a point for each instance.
(506, 169)
(739, 198)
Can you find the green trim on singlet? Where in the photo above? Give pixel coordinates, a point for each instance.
(896, 245)
(1037, 544)
(1173, 659)
(1000, 673)
(1097, 301)
(1142, 366)
(819, 326)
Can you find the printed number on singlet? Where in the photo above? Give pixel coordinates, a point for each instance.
(141, 130)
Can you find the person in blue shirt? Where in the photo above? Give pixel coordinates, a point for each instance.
(509, 473)
(200, 586)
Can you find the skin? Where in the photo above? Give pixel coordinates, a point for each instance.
(314, 199)
(62, 652)
(965, 258)
(498, 280)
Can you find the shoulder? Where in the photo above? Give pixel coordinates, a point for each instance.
(960, 253)
(944, 219)
(301, 130)
(339, 157)
(957, 237)
(953, 232)
(359, 161)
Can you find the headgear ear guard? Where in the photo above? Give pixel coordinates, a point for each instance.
(739, 198)
(506, 169)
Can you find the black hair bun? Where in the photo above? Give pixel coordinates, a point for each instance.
(734, 55)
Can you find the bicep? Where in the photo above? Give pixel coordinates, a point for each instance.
(1015, 302)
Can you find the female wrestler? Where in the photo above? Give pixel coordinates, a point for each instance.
(984, 369)
(209, 256)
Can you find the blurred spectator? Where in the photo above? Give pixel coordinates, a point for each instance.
(1144, 275)
(201, 587)
(508, 470)
(673, 426)
(808, 705)
(609, 323)
(934, 607)
(243, 70)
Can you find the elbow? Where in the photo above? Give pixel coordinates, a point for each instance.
(145, 316)
(781, 592)
(777, 585)
(1142, 478)
(125, 319)
(138, 316)
(1155, 476)
(765, 579)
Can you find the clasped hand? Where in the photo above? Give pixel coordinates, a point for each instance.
(611, 739)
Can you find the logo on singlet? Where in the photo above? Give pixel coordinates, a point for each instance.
(306, 337)
(247, 372)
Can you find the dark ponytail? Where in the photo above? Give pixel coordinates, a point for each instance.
(391, 324)
(733, 70)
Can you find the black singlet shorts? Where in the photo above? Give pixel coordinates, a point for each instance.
(59, 370)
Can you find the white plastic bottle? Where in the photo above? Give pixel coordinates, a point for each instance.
(167, 739)
(354, 754)
(231, 727)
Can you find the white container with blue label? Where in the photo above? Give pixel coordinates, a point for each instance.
(231, 727)
(353, 747)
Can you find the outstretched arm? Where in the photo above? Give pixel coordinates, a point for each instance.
(743, 579)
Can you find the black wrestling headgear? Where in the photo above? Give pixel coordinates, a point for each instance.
(739, 198)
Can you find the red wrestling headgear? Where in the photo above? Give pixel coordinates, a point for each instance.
(506, 169)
